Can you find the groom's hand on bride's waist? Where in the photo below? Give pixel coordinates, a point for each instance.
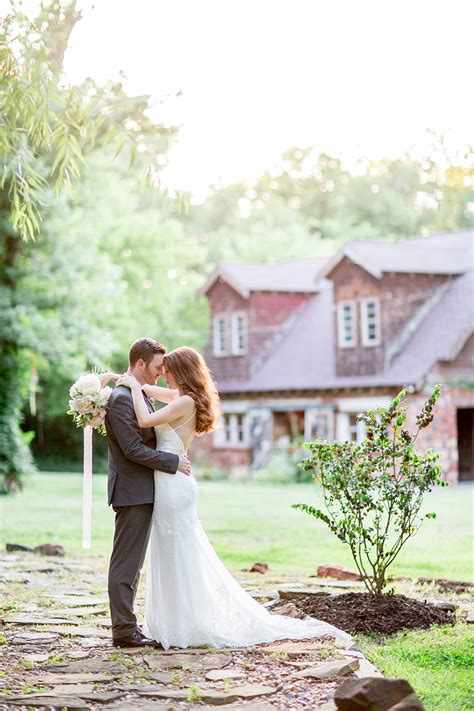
(184, 465)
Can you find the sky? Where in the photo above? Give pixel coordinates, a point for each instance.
(258, 76)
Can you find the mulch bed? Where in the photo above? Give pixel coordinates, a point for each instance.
(365, 613)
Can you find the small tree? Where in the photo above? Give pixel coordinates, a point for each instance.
(373, 491)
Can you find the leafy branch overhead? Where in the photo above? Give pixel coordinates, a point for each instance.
(373, 490)
(47, 127)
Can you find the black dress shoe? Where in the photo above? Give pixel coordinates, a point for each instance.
(136, 639)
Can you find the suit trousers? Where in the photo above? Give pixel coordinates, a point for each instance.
(132, 531)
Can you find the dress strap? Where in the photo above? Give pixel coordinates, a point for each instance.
(188, 420)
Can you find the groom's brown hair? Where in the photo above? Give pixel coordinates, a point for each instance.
(145, 349)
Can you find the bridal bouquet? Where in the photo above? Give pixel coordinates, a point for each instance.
(88, 402)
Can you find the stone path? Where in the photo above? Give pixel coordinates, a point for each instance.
(56, 652)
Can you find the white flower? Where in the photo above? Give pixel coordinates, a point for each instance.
(80, 404)
(88, 384)
(104, 396)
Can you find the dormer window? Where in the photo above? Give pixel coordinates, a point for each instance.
(370, 322)
(346, 324)
(239, 333)
(219, 336)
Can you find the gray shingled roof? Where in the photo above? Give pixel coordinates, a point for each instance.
(305, 358)
(446, 253)
(297, 275)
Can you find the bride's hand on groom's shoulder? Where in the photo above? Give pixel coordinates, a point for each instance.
(105, 378)
(128, 380)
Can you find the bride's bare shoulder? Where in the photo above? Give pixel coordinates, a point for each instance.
(186, 401)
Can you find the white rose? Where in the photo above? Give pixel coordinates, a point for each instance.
(80, 404)
(88, 384)
(104, 396)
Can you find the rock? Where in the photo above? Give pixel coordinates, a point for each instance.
(79, 601)
(259, 568)
(76, 612)
(329, 670)
(49, 549)
(77, 654)
(67, 678)
(36, 658)
(289, 610)
(11, 547)
(89, 632)
(216, 698)
(73, 689)
(458, 586)
(444, 605)
(257, 706)
(95, 666)
(470, 618)
(409, 703)
(36, 620)
(295, 594)
(34, 638)
(194, 662)
(296, 649)
(371, 694)
(337, 572)
(160, 677)
(220, 674)
(47, 701)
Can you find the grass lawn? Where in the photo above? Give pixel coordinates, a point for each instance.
(439, 664)
(246, 523)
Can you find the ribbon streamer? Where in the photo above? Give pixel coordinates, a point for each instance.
(87, 489)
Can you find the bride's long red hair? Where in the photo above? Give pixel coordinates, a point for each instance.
(189, 369)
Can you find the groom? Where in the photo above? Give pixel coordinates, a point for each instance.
(131, 491)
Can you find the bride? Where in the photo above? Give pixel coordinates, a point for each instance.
(191, 598)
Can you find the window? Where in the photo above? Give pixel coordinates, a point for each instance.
(239, 333)
(233, 431)
(370, 322)
(346, 324)
(349, 428)
(219, 336)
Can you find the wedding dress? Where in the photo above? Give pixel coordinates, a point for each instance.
(191, 598)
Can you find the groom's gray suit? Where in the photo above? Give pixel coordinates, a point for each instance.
(131, 492)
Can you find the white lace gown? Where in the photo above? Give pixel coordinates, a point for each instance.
(191, 598)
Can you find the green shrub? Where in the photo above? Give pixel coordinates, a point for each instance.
(373, 490)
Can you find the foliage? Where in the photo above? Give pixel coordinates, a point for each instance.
(284, 466)
(56, 285)
(373, 490)
(437, 662)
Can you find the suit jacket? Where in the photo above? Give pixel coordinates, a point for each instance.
(132, 453)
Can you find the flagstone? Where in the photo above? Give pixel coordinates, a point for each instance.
(76, 611)
(36, 658)
(329, 670)
(78, 654)
(52, 702)
(189, 662)
(73, 689)
(51, 679)
(219, 674)
(79, 600)
(81, 631)
(87, 665)
(36, 620)
(296, 649)
(257, 706)
(249, 691)
(35, 638)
